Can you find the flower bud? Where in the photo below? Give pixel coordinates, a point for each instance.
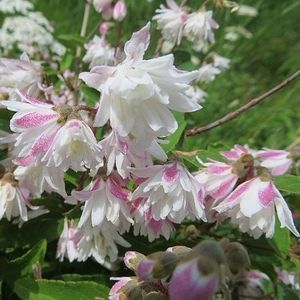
(197, 278)
(104, 27)
(120, 11)
(158, 265)
(132, 259)
(237, 258)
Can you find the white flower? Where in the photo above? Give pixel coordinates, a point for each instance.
(36, 123)
(277, 161)
(31, 34)
(145, 224)
(68, 242)
(120, 11)
(38, 178)
(171, 20)
(99, 52)
(220, 62)
(100, 242)
(13, 198)
(123, 152)
(137, 94)
(208, 73)
(105, 201)
(199, 27)
(73, 147)
(252, 207)
(21, 74)
(15, 6)
(196, 94)
(103, 7)
(237, 152)
(170, 192)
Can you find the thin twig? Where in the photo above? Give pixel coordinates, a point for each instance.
(252, 103)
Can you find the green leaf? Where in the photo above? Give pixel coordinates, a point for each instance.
(91, 95)
(210, 154)
(284, 292)
(29, 289)
(281, 240)
(24, 265)
(74, 38)
(66, 61)
(288, 183)
(175, 137)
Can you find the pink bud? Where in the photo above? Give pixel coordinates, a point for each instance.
(104, 27)
(120, 11)
(198, 278)
(144, 269)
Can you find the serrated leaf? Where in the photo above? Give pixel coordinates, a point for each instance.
(29, 289)
(288, 183)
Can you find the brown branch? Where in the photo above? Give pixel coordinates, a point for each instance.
(252, 103)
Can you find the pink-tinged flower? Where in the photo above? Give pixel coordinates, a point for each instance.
(146, 225)
(218, 178)
(252, 207)
(199, 27)
(36, 123)
(68, 242)
(237, 152)
(73, 147)
(289, 278)
(115, 292)
(132, 259)
(171, 21)
(124, 152)
(252, 285)
(38, 178)
(104, 27)
(137, 94)
(207, 73)
(100, 242)
(120, 11)
(99, 52)
(105, 201)
(170, 192)
(13, 198)
(20, 74)
(103, 7)
(278, 162)
(194, 279)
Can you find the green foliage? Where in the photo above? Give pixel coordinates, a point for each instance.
(29, 289)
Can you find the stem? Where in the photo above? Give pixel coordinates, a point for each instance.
(249, 105)
(84, 25)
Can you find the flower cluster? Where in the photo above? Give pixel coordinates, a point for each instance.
(242, 188)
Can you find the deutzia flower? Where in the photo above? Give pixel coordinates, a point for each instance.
(220, 62)
(196, 94)
(74, 147)
(104, 7)
(252, 207)
(199, 27)
(100, 242)
(145, 224)
(277, 161)
(13, 198)
(38, 178)
(21, 74)
(137, 94)
(119, 11)
(105, 201)
(171, 21)
(207, 73)
(99, 52)
(123, 152)
(68, 242)
(170, 192)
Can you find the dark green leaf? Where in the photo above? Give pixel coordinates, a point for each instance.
(288, 183)
(66, 61)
